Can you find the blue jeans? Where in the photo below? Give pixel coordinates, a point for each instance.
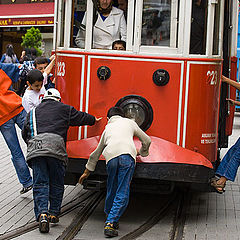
(48, 185)
(9, 133)
(120, 171)
(230, 163)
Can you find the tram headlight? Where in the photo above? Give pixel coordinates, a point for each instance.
(137, 108)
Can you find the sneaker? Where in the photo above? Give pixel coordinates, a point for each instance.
(53, 219)
(26, 189)
(110, 230)
(116, 225)
(43, 223)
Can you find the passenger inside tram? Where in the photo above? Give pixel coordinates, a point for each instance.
(123, 4)
(119, 45)
(198, 26)
(109, 25)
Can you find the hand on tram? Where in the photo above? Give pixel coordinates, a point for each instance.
(232, 102)
(98, 119)
(224, 79)
(84, 176)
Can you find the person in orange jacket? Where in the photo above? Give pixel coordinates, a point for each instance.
(11, 113)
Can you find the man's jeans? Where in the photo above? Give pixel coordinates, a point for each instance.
(9, 133)
(120, 171)
(230, 163)
(48, 185)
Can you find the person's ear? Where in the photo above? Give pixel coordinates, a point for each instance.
(28, 83)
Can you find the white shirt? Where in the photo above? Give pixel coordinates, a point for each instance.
(117, 139)
(31, 98)
(105, 32)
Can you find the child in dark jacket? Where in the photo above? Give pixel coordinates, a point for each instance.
(46, 152)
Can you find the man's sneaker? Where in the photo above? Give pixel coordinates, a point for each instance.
(43, 223)
(116, 225)
(53, 219)
(26, 189)
(110, 230)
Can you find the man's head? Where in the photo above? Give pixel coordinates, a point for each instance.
(119, 45)
(35, 80)
(40, 63)
(53, 94)
(113, 111)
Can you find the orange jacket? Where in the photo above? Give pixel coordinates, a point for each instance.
(10, 102)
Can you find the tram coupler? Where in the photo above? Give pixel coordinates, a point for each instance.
(95, 185)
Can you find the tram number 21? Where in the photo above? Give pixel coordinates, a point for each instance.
(212, 77)
(61, 69)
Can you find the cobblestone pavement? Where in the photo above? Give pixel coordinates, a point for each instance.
(210, 215)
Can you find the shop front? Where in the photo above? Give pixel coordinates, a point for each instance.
(17, 16)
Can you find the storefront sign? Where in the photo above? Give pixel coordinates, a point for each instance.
(33, 21)
(23, 1)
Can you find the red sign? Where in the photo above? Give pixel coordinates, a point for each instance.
(30, 21)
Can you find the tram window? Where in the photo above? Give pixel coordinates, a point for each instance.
(216, 29)
(160, 23)
(198, 27)
(109, 24)
(61, 22)
(78, 26)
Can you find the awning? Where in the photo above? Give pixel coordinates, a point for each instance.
(28, 14)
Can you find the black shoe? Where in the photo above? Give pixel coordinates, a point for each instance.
(43, 223)
(26, 189)
(110, 230)
(53, 219)
(116, 225)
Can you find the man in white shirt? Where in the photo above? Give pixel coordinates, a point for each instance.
(118, 148)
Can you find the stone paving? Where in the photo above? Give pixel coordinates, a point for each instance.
(210, 215)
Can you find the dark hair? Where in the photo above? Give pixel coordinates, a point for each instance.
(34, 76)
(33, 53)
(40, 60)
(123, 43)
(9, 50)
(113, 111)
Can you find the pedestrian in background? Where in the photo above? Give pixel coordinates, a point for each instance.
(9, 56)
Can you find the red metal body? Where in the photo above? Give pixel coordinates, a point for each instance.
(185, 111)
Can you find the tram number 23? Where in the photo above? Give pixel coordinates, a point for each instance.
(61, 69)
(212, 77)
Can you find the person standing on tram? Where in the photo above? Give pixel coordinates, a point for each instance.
(109, 25)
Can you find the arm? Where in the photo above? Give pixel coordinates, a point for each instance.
(233, 102)
(80, 38)
(50, 66)
(231, 82)
(78, 118)
(123, 28)
(93, 158)
(145, 140)
(3, 58)
(26, 132)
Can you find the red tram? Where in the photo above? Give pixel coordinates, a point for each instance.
(168, 80)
